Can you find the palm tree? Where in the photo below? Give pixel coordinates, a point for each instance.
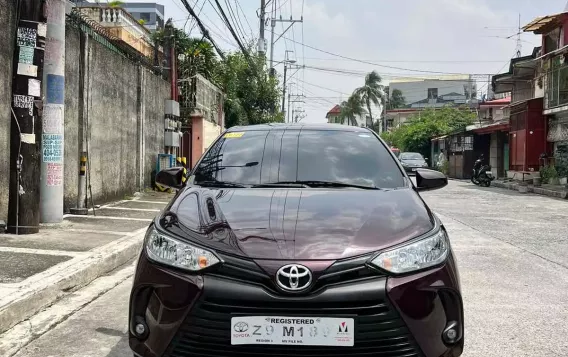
(351, 108)
(371, 92)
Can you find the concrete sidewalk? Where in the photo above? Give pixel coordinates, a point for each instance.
(545, 190)
(37, 270)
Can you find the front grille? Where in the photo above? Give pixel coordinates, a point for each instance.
(341, 272)
(379, 330)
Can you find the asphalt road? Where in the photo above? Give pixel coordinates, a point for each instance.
(512, 251)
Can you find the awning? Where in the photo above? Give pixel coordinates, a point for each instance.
(544, 24)
(488, 129)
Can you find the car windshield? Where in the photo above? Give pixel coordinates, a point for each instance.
(411, 156)
(326, 156)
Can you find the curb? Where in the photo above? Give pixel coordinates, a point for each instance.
(46, 288)
(531, 189)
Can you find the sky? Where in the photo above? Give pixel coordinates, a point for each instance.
(415, 36)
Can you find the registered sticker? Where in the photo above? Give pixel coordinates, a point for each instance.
(306, 331)
(234, 135)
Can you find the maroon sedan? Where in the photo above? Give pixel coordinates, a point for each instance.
(297, 240)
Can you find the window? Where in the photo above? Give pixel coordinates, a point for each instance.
(145, 16)
(432, 93)
(306, 155)
(350, 157)
(234, 159)
(411, 156)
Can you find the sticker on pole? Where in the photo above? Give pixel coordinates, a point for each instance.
(234, 135)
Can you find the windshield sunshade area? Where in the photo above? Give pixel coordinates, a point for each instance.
(262, 157)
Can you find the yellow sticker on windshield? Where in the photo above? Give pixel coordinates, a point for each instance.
(237, 134)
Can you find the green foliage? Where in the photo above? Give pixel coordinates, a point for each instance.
(252, 96)
(371, 92)
(115, 3)
(416, 133)
(351, 108)
(548, 172)
(561, 158)
(396, 100)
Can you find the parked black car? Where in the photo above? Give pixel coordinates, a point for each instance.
(411, 161)
(297, 241)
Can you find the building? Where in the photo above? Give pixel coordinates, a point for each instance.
(151, 15)
(527, 124)
(334, 117)
(120, 24)
(552, 79)
(434, 92)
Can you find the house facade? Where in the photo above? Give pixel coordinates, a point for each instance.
(434, 92)
(553, 79)
(334, 117)
(151, 15)
(527, 124)
(121, 24)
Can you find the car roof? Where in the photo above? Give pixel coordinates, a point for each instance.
(297, 126)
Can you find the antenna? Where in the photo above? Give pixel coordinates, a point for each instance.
(519, 42)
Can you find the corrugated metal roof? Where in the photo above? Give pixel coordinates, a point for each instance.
(544, 24)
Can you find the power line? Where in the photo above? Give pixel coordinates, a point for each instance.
(369, 62)
(237, 23)
(245, 16)
(230, 27)
(204, 31)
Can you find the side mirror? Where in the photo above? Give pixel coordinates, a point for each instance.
(172, 177)
(427, 180)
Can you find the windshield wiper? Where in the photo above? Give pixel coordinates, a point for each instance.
(315, 183)
(281, 184)
(213, 183)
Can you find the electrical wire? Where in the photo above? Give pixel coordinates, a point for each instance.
(237, 23)
(245, 16)
(369, 62)
(232, 30)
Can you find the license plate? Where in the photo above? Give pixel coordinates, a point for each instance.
(306, 331)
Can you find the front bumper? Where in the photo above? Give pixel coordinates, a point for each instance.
(394, 317)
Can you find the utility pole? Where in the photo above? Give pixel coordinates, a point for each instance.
(289, 101)
(272, 41)
(284, 89)
(261, 50)
(25, 139)
(53, 144)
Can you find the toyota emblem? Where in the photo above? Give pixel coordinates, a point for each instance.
(294, 277)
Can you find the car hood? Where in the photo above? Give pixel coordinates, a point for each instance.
(301, 224)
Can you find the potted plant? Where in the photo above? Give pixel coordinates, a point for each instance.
(553, 176)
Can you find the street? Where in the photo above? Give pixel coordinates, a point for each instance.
(512, 255)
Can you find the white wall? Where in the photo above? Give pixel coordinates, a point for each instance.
(418, 90)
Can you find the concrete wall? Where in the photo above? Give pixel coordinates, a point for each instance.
(8, 21)
(122, 112)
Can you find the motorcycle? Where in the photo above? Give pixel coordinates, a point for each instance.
(482, 175)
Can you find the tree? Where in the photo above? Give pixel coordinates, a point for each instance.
(252, 96)
(351, 108)
(416, 133)
(371, 91)
(396, 99)
(115, 3)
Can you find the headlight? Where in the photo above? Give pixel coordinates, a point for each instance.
(404, 163)
(419, 255)
(167, 250)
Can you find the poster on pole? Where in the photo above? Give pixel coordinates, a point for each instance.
(27, 37)
(34, 87)
(24, 102)
(52, 148)
(54, 174)
(26, 55)
(53, 119)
